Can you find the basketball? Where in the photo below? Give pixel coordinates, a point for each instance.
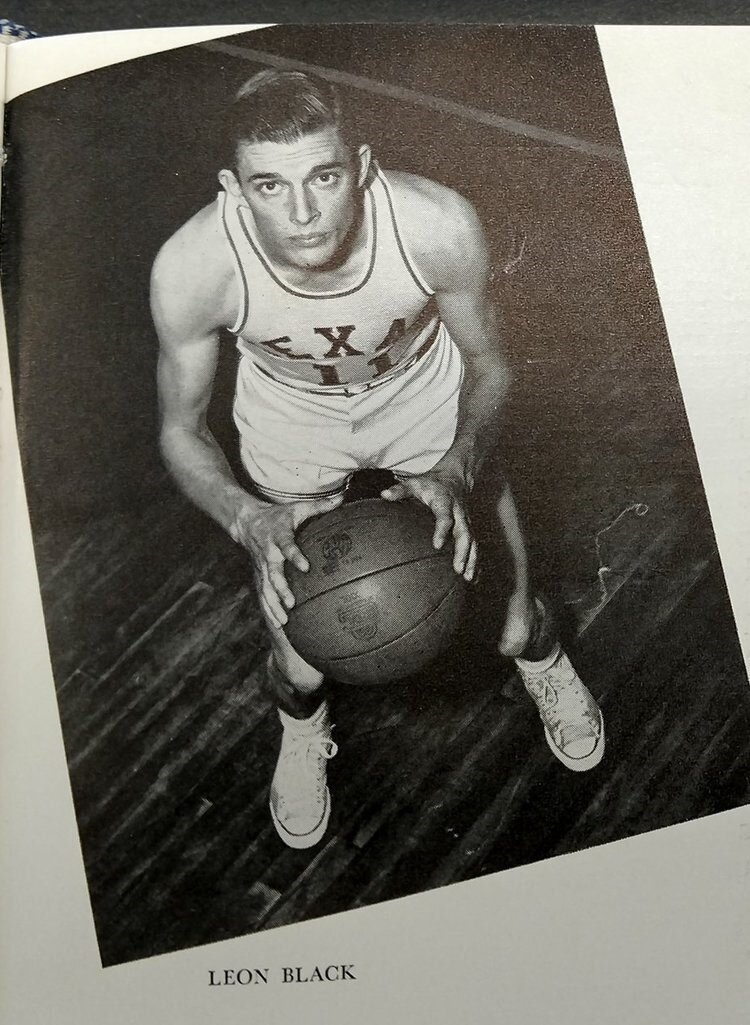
(378, 602)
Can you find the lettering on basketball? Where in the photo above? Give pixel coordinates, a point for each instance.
(360, 618)
(336, 546)
(335, 550)
(339, 343)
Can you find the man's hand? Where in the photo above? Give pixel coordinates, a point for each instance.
(268, 533)
(445, 494)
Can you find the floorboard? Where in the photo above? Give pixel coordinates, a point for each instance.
(171, 738)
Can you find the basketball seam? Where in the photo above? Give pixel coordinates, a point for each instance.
(370, 573)
(401, 637)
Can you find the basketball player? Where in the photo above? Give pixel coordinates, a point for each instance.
(359, 302)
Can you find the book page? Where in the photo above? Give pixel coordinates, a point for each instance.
(637, 912)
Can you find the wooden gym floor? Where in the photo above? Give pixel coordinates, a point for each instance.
(171, 742)
(154, 631)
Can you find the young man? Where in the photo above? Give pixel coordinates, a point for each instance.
(368, 339)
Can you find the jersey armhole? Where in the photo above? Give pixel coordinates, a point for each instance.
(403, 248)
(243, 292)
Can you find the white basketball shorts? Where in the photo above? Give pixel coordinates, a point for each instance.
(298, 444)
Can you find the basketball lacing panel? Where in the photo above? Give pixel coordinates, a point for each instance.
(369, 573)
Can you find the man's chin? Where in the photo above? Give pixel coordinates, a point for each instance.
(318, 258)
(311, 260)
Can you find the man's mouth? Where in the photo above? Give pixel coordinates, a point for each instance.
(309, 241)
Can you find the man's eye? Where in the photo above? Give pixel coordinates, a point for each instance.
(269, 187)
(328, 178)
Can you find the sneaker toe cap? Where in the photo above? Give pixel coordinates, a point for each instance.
(581, 748)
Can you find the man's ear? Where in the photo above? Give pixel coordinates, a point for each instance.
(364, 160)
(228, 181)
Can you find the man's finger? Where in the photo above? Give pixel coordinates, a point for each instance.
(275, 614)
(271, 605)
(292, 553)
(275, 574)
(461, 538)
(471, 563)
(442, 508)
(280, 586)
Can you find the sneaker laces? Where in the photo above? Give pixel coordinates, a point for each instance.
(305, 758)
(564, 708)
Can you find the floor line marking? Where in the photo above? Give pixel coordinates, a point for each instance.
(401, 93)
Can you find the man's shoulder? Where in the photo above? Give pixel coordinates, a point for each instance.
(441, 227)
(198, 246)
(193, 274)
(424, 204)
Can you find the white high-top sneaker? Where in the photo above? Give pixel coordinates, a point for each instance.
(573, 722)
(300, 800)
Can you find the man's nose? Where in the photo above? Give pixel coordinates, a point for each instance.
(303, 210)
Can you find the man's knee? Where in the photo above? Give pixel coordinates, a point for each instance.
(292, 667)
(302, 677)
(530, 633)
(516, 633)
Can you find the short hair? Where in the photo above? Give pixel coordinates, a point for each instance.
(280, 106)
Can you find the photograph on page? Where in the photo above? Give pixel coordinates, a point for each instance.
(372, 544)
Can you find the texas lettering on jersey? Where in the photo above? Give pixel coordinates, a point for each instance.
(338, 356)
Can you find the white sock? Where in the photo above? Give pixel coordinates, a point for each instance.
(310, 725)
(543, 665)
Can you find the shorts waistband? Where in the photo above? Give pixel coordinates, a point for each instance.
(359, 389)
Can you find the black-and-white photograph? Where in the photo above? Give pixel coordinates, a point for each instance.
(372, 544)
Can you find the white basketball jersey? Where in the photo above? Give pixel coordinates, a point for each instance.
(368, 331)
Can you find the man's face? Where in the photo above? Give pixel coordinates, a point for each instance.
(304, 195)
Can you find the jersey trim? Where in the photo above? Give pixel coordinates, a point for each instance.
(405, 256)
(262, 258)
(244, 304)
(296, 496)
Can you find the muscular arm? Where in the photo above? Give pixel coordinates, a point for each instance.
(460, 272)
(448, 243)
(188, 351)
(186, 302)
(468, 312)
(471, 319)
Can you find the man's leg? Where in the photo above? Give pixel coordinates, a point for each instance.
(573, 722)
(300, 800)
(294, 448)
